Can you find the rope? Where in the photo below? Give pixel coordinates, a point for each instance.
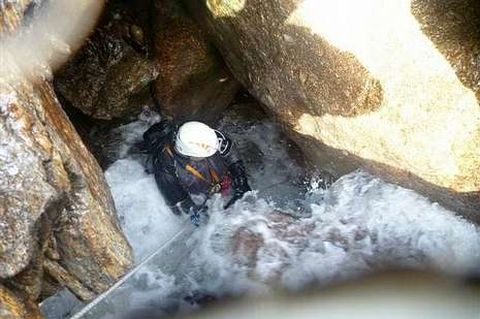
(101, 297)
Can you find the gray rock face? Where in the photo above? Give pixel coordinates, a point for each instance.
(386, 87)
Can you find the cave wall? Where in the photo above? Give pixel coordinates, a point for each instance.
(57, 216)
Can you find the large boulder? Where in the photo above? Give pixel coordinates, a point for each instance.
(54, 194)
(387, 87)
(110, 75)
(56, 211)
(454, 29)
(193, 82)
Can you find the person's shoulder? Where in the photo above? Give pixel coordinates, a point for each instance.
(158, 135)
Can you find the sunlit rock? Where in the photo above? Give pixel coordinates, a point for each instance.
(12, 12)
(14, 307)
(193, 81)
(387, 86)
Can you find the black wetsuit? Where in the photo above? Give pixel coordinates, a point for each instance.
(186, 183)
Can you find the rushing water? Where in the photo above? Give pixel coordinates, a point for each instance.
(358, 225)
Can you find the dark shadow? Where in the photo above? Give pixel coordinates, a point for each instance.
(454, 27)
(323, 79)
(99, 136)
(193, 82)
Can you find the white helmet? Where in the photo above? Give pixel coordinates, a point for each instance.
(196, 139)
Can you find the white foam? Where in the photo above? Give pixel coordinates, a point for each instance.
(359, 225)
(145, 218)
(362, 225)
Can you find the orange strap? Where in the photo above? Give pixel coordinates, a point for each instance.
(213, 175)
(196, 173)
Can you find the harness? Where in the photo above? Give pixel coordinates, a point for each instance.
(216, 184)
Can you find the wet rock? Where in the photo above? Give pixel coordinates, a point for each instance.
(109, 77)
(193, 82)
(137, 35)
(200, 298)
(12, 12)
(361, 84)
(258, 240)
(53, 190)
(246, 244)
(124, 82)
(13, 306)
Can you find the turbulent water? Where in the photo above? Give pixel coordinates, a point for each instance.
(358, 225)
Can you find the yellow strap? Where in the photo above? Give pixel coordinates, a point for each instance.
(195, 173)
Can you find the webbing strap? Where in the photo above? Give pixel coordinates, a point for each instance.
(169, 150)
(195, 173)
(215, 179)
(213, 174)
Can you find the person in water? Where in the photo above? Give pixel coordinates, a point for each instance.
(191, 163)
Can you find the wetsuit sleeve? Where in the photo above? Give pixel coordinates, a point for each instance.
(235, 165)
(154, 140)
(227, 149)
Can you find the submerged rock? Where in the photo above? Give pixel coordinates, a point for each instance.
(359, 225)
(360, 84)
(193, 82)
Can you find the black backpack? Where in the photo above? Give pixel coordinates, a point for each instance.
(159, 134)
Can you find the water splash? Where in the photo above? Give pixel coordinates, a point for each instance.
(359, 225)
